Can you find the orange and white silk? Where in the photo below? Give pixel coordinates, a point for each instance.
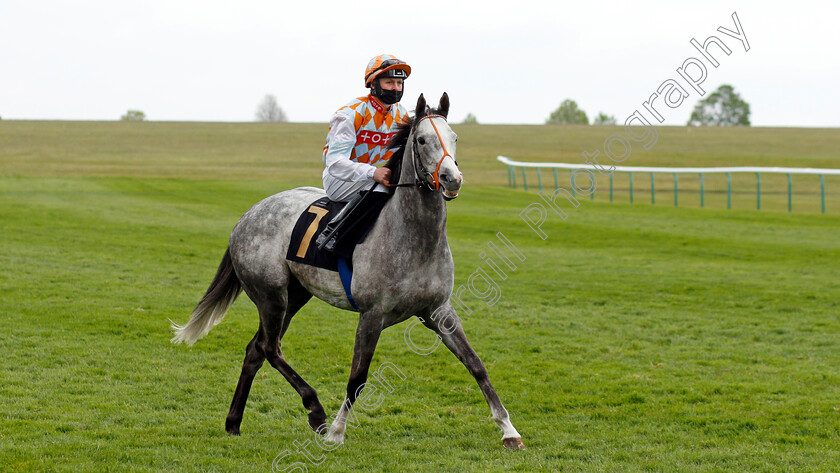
(358, 138)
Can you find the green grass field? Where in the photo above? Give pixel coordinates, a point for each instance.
(633, 338)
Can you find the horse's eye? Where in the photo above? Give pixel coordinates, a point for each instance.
(422, 141)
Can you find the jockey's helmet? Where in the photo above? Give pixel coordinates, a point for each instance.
(385, 65)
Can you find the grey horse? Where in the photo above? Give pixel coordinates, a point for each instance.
(406, 251)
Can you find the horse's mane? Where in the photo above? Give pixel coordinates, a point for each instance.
(398, 144)
(400, 141)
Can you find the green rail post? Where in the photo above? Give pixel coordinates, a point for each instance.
(510, 181)
(571, 182)
(675, 189)
(555, 178)
(611, 186)
(652, 191)
(822, 191)
(790, 194)
(758, 191)
(513, 174)
(592, 185)
(539, 180)
(524, 180)
(728, 191)
(631, 187)
(702, 197)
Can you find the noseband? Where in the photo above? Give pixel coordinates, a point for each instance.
(430, 180)
(435, 177)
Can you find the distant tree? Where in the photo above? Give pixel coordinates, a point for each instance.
(269, 111)
(133, 116)
(604, 119)
(470, 120)
(568, 113)
(723, 107)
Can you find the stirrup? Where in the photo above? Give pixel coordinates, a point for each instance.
(332, 232)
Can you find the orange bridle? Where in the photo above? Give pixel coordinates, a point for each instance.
(435, 175)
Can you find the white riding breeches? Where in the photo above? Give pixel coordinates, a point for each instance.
(343, 191)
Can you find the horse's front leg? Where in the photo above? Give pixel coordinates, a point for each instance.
(446, 323)
(367, 336)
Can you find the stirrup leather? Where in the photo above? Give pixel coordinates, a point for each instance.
(333, 231)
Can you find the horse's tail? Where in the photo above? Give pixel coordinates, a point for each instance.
(212, 308)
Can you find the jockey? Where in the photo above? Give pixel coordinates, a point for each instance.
(357, 139)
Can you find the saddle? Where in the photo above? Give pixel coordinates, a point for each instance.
(314, 219)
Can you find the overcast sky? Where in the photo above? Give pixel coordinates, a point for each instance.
(503, 61)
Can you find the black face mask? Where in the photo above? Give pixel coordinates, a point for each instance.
(387, 97)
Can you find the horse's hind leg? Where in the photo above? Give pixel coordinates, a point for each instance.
(298, 297)
(275, 317)
(448, 326)
(274, 328)
(254, 358)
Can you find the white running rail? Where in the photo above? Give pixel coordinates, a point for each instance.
(513, 165)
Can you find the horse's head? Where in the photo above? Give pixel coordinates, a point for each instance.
(433, 144)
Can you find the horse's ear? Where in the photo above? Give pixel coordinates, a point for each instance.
(443, 108)
(420, 111)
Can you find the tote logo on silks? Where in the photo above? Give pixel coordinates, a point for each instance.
(375, 138)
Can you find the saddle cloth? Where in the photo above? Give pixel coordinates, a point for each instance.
(314, 219)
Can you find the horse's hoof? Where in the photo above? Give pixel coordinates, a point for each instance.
(334, 439)
(514, 443)
(321, 429)
(318, 422)
(232, 427)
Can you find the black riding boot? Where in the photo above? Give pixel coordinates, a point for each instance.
(344, 219)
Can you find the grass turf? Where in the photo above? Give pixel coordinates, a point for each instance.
(633, 338)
